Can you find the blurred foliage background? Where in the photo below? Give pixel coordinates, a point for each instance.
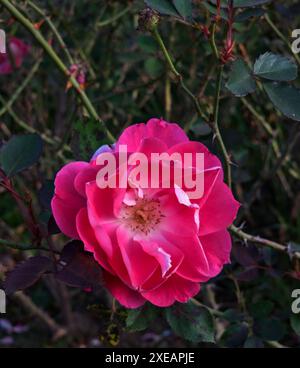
(128, 81)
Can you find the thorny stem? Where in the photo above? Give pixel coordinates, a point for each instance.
(261, 241)
(59, 63)
(54, 30)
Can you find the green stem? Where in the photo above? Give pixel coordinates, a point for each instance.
(212, 311)
(216, 128)
(167, 56)
(213, 41)
(173, 69)
(281, 36)
(59, 63)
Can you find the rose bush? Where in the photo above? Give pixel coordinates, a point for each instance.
(14, 56)
(154, 245)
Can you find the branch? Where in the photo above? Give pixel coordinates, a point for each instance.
(261, 241)
(173, 69)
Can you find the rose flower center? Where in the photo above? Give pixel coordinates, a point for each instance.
(144, 216)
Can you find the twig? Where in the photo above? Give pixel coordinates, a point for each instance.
(58, 331)
(114, 17)
(21, 87)
(54, 30)
(261, 241)
(212, 311)
(173, 69)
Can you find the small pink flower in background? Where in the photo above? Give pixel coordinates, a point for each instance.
(18, 50)
(78, 72)
(154, 245)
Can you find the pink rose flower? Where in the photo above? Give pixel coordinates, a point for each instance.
(18, 51)
(154, 245)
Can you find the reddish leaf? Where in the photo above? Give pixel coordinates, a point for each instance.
(27, 273)
(79, 268)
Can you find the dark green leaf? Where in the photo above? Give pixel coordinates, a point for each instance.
(249, 3)
(235, 335)
(242, 3)
(184, 7)
(285, 97)
(20, 152)
(295, 323)
(240, 81)
(261, 309)
(191, 322)
(163, 7)
(248, 14)
(275, 67)
(141, 318)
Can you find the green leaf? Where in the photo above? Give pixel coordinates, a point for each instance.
(20, 152)
(249, 3)
(163, 7)
(191, 322)
(261, 309)
(184, 8)
(243, 3)
(285, 97)
(275, 67)
(139, 319)
(295, 323)
(240, 81)
(248, 14)
(235, 335)
(154, 67)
